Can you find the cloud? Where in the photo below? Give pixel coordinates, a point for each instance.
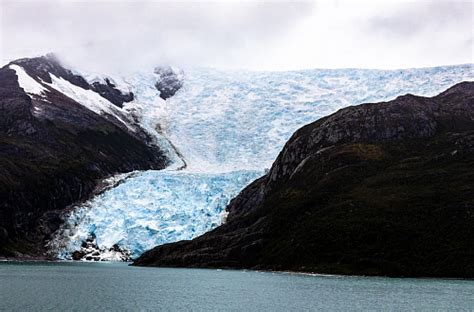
(126, 35)
(134, 34)
(416, 17)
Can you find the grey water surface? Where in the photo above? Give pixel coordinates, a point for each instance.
(68, 286)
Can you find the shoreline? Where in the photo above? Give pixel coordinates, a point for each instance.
(286, 272)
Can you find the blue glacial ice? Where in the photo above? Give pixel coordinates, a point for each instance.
(239, 120)
(153, 208)
(228, 127)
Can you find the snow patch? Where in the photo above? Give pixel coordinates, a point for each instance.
(90, 99)
(31, 86)
(92, 77)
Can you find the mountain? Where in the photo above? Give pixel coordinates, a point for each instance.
(73, 134)
(59, 136)
(375, 189)
(223, 129)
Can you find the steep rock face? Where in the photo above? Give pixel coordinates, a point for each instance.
(43, 67)
(169, 81)
(54, 149)
(109, 91)
(379, 189)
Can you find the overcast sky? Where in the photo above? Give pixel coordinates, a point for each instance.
(272, 35)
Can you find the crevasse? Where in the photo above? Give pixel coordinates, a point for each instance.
(221, 130)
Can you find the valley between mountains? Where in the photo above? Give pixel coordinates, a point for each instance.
(240, 169)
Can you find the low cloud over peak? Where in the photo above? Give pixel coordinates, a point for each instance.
(127, 35)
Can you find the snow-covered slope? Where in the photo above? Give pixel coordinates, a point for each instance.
(224, 128)
(90, 99)
(31, 86)
(86, 97)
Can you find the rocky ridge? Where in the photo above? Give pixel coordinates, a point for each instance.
(54, 149)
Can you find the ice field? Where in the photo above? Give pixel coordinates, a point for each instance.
(221, 131)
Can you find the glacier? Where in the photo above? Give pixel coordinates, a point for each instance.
(222, 130)
(153, 208)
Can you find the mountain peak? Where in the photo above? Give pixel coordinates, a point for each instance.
(41, 68)
(170, 80)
